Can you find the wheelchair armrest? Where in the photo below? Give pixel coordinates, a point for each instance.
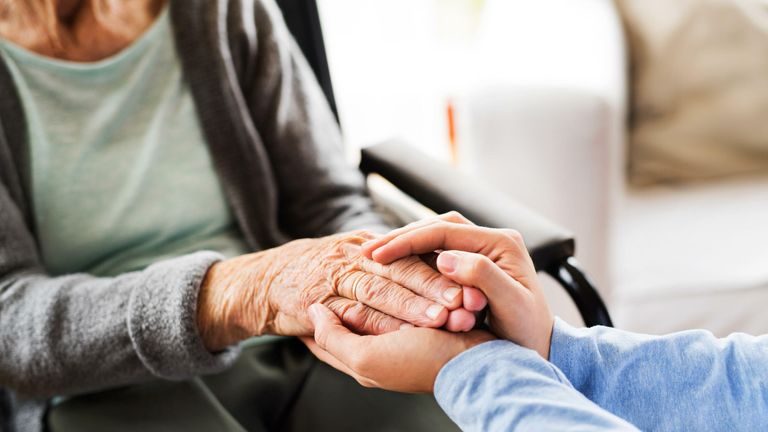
(442, 188)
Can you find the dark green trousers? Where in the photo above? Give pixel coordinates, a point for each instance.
(277, 386)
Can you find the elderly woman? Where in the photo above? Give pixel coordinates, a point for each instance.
(155, 161)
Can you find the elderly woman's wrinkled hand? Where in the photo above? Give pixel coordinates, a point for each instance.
(269, 292)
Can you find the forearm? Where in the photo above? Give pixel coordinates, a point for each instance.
(689, 380)
(499, 386)
(227, 313)
(79, 333)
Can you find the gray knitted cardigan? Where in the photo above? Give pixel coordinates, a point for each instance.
(278, 153)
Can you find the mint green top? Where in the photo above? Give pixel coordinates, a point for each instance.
(121, 174)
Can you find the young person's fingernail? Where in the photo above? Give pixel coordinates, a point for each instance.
(451, 293)
(406, 326)
(446, 261)
(434, 311)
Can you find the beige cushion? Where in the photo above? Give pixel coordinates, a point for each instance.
(692, 256)
(700, 88)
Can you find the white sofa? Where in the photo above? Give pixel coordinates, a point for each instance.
(544, 119)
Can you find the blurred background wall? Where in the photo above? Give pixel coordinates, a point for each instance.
(396, 63)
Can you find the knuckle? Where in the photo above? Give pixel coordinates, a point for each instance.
(343, 309)
(349, 251)
(306, 299)
(451, 215)
(380, 326)
(480, 265)
(363, 319)
(435, 284)
(369, 288)
(374, 323)
(357, 233)
(414, 305)
(357, 287)
(353, 316)
(514, 236)
(365, 235)
(339, 280)
(436, 280)
(371, 267)
(454, 216)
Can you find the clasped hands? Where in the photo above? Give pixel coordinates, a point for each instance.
(270, 292)
(494, 262)
(378, 307)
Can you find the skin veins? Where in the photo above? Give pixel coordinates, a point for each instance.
(270, 292)
(258, 293)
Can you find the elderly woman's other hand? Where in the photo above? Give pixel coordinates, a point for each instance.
(269, 292)
(495, 261)
(407, 360)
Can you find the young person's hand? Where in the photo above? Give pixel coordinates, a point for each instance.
(407, 360)
(495, 261)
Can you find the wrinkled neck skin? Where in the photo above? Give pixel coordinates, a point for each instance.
(76, 30)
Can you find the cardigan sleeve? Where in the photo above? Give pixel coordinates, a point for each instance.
(77, 333)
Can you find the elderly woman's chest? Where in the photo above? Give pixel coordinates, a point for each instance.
(121, 175)
(113, 198)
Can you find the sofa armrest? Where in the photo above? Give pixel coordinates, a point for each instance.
(441, 188)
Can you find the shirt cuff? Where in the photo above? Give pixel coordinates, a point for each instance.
(162, 319)
(464, 367)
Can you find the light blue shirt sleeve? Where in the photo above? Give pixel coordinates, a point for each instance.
(683, 381)
(499, 386)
